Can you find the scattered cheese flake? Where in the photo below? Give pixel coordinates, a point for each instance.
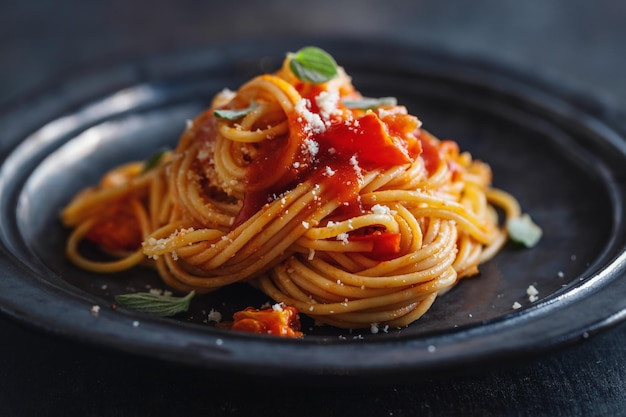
(532, 293)
(516, 306)
(374, 328)
(305, 225)
(277, 307)
(312, 147)
(380, 209)
(214, 316)
(355, 164)
(343, 237)
(95, 310)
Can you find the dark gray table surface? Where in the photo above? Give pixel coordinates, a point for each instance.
(579, 43)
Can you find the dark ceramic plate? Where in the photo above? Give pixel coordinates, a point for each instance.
(550, 148)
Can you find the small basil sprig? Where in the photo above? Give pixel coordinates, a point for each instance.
(523, 230)
(313, 65)
(159, 305)
(234, 114)
(367, 103)
(154, 160)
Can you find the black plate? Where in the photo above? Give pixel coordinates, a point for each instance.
(548, 147)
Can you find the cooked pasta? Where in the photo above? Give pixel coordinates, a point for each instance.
(339, 205)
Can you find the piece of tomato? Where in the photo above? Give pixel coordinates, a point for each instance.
(117, 228)
(279, 320)
(385, 245)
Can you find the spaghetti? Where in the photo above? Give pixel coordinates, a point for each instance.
(340, 206)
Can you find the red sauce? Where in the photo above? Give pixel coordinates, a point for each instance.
(430, 154)
(342, 152)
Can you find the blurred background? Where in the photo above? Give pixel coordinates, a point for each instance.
(577, 43)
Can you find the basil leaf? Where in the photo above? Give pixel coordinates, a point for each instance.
(312, 64)
(523, 230)
(153, 161)
(367, 103)
(159, 305)
(235, 113)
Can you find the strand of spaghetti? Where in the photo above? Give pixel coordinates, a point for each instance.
(229, 171)
(389, 281)
(395, 315)
(186, 192)
(417, 312)
(272, 87)
(240, 236)
(494, 247)
(407, 294)
(157, 196)
(126, 262)
(504, 200)
(468, 256)
(326, 287)
(171, 281)
(241, 134)
(413, 229)
(423, 205)
(384, 178)
(92, 201)
(366, 220)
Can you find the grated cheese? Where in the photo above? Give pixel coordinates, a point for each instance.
(380, 209)
(343, 237)
(314, 123)
(214, 316)
(327, 102)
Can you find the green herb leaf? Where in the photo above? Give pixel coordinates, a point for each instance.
(367, 103)
(159, 305)
(523, 230)
(236, 113)
(313, 65)
(154, 160)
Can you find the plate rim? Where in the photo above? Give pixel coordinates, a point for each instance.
(229, 359)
